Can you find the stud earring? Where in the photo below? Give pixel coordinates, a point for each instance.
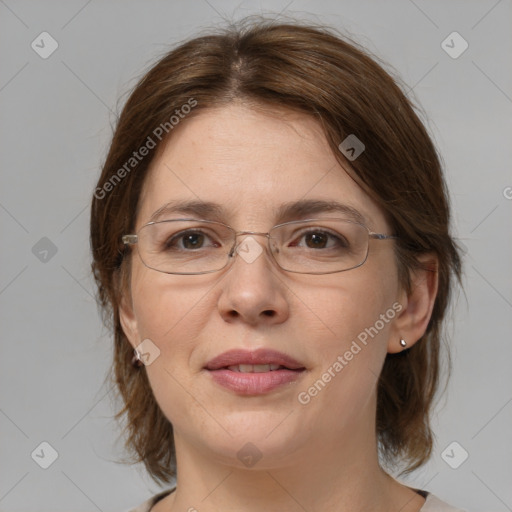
(403, 343)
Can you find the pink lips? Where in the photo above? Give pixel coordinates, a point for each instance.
(258, 382)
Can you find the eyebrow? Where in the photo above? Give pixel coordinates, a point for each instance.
(295, 210)
(306, 207)
(205, 210)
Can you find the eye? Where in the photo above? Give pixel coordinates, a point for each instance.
(321, 239)
(189, 240)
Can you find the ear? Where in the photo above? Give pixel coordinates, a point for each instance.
(128, 321)
(412, 321)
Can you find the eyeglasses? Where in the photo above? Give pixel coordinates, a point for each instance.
(312, 246)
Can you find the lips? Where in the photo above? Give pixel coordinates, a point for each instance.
(254, 372)
(256, 358)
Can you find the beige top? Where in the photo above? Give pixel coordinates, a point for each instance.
(432, 504)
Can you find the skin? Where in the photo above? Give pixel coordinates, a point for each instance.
(319, 456)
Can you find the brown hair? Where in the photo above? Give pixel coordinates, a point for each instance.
(316, 71)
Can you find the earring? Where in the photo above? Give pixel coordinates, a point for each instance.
(403, 343)
(136, 362)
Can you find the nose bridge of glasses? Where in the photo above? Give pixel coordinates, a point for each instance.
(241, 233)
(248, 248)
(247, 235)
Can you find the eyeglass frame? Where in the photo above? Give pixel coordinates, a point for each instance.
(132, 239)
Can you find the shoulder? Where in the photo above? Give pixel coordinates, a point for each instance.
(148, 504)
(434, 504)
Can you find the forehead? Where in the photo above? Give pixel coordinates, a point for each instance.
(253, 165)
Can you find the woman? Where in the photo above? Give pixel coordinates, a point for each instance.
(270, 236)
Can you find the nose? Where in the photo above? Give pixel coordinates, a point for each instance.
(253, 291)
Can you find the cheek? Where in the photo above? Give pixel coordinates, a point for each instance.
(357, 313)
(352, 318)
(170, 310)
(353, 302)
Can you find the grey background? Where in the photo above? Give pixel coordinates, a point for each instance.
(54, 131)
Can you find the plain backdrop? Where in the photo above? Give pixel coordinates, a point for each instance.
(55, 128)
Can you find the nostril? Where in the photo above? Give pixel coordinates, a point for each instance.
(269, 312)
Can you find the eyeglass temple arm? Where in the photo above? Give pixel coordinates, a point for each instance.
(130, 239)
(379, 236)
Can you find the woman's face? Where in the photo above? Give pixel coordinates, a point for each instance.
(250, 164)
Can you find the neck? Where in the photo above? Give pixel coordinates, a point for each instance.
(316, 477)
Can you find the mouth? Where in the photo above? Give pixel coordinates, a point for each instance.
(258, 368)
(253, 361)
(254, 372)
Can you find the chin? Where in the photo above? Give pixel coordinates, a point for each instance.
(257, 441)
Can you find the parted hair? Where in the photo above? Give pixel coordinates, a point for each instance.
(317, 71)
